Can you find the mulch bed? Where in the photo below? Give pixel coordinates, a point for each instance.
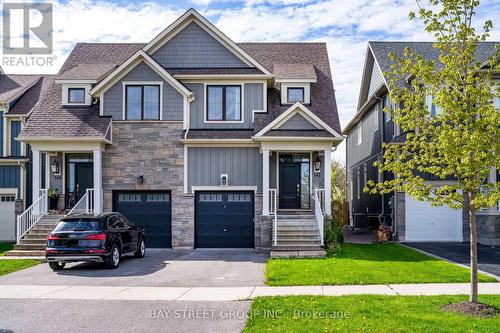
(472, 309)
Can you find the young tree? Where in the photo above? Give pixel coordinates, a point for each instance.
(338, 179)
(462, 140)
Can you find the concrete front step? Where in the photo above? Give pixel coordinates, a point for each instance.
(25, 253)
(291, 246)
(298, 254)
(38, 232)
(294, 232)
(33, 241)
(298, 239)
(30, 246)
(296, 217)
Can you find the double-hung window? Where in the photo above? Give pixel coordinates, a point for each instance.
(223, 103)
(142, 102)
(76, 95)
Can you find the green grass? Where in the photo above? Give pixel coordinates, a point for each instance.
(366, 313)
(4, 247)
(366, 264)
(9, 266)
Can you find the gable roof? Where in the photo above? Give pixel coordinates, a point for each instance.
(133, 61)
(297, 108)
(294, 72)
(377, 56)
(13, 86)
(190, 16)
(30, 98)
(91, 72)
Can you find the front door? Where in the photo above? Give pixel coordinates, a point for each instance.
(290, 180)
(79, 177)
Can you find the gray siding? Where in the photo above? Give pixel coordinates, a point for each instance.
(370, 145)
(1, 133)
(243, 166)
(193, 47)
(15, 146)
(252, 100)
(376, 80)
(172, 99)
(297, 122)
(10, 176)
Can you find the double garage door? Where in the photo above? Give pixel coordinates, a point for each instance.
(222, 219)
(425, 223)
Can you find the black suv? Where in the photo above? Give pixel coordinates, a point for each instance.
(103, 238)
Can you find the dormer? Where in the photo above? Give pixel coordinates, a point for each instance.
(294, 82)
(77, 82)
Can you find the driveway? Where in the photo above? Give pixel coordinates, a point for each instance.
(159, 268)
(488, 257)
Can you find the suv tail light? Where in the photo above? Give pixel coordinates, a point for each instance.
(101, 236)
(52, 237)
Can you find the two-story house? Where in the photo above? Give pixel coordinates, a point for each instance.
(411, 220)
(196, 138)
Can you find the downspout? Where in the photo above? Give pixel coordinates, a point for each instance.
(381, 126)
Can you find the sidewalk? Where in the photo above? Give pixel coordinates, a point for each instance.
(232, 293)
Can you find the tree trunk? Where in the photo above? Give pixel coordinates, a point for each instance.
(473, 251)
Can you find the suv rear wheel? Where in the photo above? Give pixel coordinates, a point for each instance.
(141, 249)
(56, 266)
(114, 258)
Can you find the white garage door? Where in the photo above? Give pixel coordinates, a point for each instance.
(7, 218)
(431, 224)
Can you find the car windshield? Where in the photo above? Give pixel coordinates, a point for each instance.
(79, 225)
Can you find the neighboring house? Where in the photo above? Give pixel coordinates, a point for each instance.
(191, 135)
(411, 220)
(18, 95)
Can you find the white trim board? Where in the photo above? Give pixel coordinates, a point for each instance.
(304, 111)
(224, 188)
(193, 16)
(131, 63)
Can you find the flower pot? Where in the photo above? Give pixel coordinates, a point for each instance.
(53, 203)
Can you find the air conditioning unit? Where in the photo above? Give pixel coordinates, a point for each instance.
(224, 179)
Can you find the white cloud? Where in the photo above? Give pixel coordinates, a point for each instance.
(346, 27)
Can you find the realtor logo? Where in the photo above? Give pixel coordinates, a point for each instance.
(27, 28)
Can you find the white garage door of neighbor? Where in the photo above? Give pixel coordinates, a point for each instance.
(7, 221)
(425, 223)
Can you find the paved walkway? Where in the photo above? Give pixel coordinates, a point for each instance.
(231, 293)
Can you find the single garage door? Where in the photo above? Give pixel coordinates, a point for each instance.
(150, 210)
(425, 223)
(224, 219)
(7, 218)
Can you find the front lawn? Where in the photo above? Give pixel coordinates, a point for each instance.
(366, 313)
(366, 264)
(9, 266)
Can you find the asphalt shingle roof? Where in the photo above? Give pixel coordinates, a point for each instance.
(294, 71)
(31, 97)
(12, 85)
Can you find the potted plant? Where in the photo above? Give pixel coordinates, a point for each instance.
(53, 198)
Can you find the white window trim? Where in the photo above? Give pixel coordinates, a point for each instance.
(140, 83)
(65, 94)
(242, 102)
(284, 92)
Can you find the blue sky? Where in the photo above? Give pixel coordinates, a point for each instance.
(345, 25)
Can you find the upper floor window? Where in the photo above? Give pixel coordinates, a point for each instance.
(142, 102)
(295, 95)
(76, 95)
(359, 132)
(224, 103)
(431, 107)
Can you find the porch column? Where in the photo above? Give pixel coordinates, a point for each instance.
(37, 174)
(328, 182)
(265, 182)
(97, 181)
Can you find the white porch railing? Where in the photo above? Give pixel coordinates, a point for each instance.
(319, 204)
(32, 215)
(85, 205)
(273, 210)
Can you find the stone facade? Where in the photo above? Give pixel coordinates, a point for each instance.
(152, 150)
(488, 227)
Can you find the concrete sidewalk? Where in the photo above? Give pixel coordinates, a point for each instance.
(232, 293)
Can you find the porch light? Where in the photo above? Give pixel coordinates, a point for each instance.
(140, 180)
(317, 165)
(224, 179)
(54, 166)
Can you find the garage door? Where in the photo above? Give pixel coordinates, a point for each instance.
(427, 223)
(224, 219)
(150, 210)
(7, 218)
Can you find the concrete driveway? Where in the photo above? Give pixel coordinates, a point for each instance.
(160, 268)
(488, 257)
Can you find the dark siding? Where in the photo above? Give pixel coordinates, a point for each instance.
(1, 133)
(15, 146)
(9, 176)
